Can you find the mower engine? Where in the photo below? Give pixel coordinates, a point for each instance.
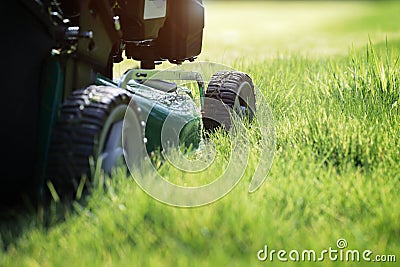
(157, 30)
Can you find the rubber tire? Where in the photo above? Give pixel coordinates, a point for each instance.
(84, 117)
(227, 87)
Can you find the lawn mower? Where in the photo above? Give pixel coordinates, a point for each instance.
(63, 110)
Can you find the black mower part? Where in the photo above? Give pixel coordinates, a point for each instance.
(228, 91)
(90, 127)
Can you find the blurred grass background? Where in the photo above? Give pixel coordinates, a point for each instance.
(264, 29)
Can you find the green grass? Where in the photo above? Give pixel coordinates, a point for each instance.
(332, 79)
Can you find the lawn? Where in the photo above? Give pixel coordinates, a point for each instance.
(330, 72)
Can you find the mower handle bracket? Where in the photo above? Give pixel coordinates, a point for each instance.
(167, 75)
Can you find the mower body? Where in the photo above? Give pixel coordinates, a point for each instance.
(53, 48)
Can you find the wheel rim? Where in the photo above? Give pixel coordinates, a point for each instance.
(113, 144)
(110, 152)
(134, 142)
(243, 105)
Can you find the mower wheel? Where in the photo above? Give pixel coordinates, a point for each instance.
(227, 91)
(90, 127)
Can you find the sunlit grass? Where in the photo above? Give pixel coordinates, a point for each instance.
(335, 98)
